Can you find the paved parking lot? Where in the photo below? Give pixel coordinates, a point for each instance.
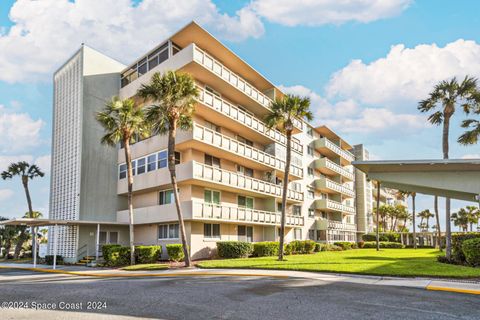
(222, 298)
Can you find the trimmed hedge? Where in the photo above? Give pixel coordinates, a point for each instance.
(384, 237)
(346, 245)
(147, 254)
(300, 247)
(318, 247)
(175, 252)
(265, 249)
(383, 244)
(49, 259)
(457, 241)
(471, 251)
(234, 249)
(361, 244)
(117, 256)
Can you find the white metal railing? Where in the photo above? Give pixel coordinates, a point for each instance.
(347, 155)
(221, 105)
(324, 162)
(233, 179)
(335, 186)
(229, 144)
(203, 210)
(334, 205)
(235, 80)
(341, 225)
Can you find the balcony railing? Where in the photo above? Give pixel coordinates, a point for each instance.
(325, 183)
(325, 224)
(233, 179)
(235, 80)
(326, 204)
(238, 214)
(328, 164)
(229, 144)
(326, 143)
(226, 108)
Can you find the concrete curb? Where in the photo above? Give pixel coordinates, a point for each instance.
(447, 289)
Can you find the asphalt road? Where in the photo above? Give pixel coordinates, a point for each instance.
(222, 298)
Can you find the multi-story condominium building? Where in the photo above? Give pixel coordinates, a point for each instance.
(229, 166)
(364, 197)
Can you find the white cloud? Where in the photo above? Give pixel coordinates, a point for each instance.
(5, 161)
(18, 130)
(5, 194)
(44, 163)
(471, 156)
(405, 75)
(319, 12)
(45, 33)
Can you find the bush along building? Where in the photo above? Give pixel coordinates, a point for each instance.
(229, 166)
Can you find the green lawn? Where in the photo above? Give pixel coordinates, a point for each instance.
(147, 266)
(391, 262)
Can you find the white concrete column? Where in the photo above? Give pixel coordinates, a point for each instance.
(97, 242)
(55, 247)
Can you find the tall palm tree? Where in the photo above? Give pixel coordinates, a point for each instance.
(283, 113)
(124, 121)
(425, 215)
(442, 101)
(173, 96)
(437, 223)
(26, 172)
(472, 216)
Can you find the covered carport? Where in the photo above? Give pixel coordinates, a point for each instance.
(36, 223)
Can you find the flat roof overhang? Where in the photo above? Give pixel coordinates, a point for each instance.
(456, 178)
(51, 222)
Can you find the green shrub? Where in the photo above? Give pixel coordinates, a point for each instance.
(344, 245)
(147, 254)
(361, 244)
(457, 242)
(106, 248)
(49, 259)
(391, 237)
(383, 244)
(234, 249)
(318, 247)
(333, 247)
(301, 247)
(117, 256)
(175, 252)
(265, 249)
(471, 251)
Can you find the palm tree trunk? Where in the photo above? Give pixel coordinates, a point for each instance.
(173, 176)
(8, 246)
(413, 222)
(377, 234)
(448, 232)
(128, 159)
(437, 218)
(29, 202)
(284, 194)
(18, 247)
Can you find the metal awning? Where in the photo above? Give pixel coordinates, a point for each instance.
(456, 178)
(51, 222)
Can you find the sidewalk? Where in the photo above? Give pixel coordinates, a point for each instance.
(461, 286)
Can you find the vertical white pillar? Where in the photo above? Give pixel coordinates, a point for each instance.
(34, 246)
(55, 239)
(97, 242)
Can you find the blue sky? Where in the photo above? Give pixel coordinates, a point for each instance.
(365, 67)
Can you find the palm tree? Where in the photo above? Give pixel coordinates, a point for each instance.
(284, 112)
(424, 215)
(470, 136)
(27, 172)
(173, 95)
(123, 122)
(472, 216)
(400, 212)
(442, 101)
(414, 232)
(437, 223)
(460, 219)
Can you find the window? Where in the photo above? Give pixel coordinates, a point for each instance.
(311, 194)
(245, 233)
(310, 132)
(166, 197)
(133, 167)
(142, 67)
(311, 212)
(245, 171)
(245, 141)
(211, 230)
(311, 234)
(310, 151)
(162, 159)
(245, 202)
(297, 234)
(151, 162)
(113, 237)
(212, 161)
(212, 126)
(210, 89)
(310, 172)
(123, 171)
(141, 166)
(211, 196)
(279, 207)
(168, 231)
(297, 210)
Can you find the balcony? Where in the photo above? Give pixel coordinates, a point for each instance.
(194, 210)
(236, 149)
(330, 149)
(227, 109)
(324, 224)
(328, 186)
(329, 167)
(238, 181)
(207, 211)
(330, 205)
(211, 64)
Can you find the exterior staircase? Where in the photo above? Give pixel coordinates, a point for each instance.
(86, 261)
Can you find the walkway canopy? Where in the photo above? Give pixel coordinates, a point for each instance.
(457, 179)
